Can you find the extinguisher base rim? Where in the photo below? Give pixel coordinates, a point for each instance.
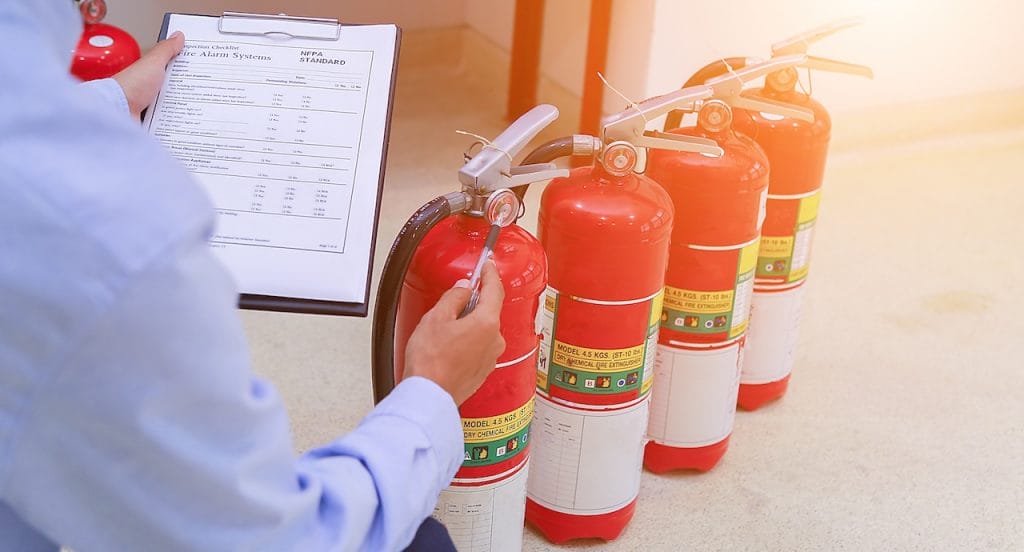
(753, 396)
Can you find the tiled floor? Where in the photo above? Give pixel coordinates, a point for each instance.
(904, 425)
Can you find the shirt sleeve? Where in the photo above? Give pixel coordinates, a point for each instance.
(107, 92)
(155, 435)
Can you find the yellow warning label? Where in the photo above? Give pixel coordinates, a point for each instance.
(598, 360)
(549, 302)
(808, 208)
(799, 273)
(776, 246)
(656, 309)
(483, 430)
(542, 380)
(737, 330)
(748, 258)
(698, 302)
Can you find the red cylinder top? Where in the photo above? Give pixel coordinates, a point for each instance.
(103, 51)
(796, 149)
(717, 199)
(606, 236)
(451, 250)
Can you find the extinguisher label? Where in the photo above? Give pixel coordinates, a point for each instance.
(487, 517)
(587, 462)
(773, 336)
(694, 399)
(714, 312)
(567, 364)
(496, 438)
(787, 237)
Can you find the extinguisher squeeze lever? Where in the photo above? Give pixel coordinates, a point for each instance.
(798, 44)
(728, 88)
(630, 125)
(492, 167)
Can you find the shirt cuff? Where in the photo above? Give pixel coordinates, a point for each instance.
(109, 92)
(430, 407)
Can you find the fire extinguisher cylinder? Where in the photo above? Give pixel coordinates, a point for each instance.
(797, 151)
(606, 232)
(720, 204)
(103, 50)
(448, 240)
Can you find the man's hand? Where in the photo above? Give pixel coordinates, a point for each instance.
(142, 80)
(458, 354)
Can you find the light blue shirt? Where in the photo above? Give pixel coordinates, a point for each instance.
(129, 415)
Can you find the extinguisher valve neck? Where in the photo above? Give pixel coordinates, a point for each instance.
(458, 202)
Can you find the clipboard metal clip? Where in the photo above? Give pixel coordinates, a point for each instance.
(287, 26)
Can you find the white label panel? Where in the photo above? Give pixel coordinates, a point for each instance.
(586, 463)
(694, 397)
(488, 518)
(771, 340)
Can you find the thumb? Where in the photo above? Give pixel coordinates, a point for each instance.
(165, 50)
(450, 305)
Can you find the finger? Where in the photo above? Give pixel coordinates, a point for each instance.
(450, 305)
(165, 50)
(492, 293)
(499, 346)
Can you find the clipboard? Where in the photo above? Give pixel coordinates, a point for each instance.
(284, 27)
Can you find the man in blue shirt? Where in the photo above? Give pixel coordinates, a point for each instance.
(129, 415)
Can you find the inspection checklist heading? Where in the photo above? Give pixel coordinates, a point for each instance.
(287, 136)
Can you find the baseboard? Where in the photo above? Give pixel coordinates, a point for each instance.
(907, 124)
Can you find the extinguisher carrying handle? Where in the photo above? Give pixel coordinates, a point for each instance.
(393, 276)
(728, 87)
(800, 43)
(630, 125)
(577, 145)
(714, 69)
(491, 168)
(727, 79)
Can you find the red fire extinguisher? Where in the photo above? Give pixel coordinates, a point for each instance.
(441, 244)
(796, 152)
(720, 206)
(606, 232)
(103, 50)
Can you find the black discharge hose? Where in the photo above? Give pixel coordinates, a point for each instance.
(391, 279)
(714, 69)
(545, 153)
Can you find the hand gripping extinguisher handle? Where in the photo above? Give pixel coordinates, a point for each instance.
(391, 280)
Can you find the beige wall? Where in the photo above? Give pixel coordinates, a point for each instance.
(919, 49)
(564, 46)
